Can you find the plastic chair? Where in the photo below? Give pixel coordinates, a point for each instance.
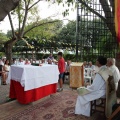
(88, 75)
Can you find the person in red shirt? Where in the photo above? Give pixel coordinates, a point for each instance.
(61, 67)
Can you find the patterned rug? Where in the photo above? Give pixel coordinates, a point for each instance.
(59, 106)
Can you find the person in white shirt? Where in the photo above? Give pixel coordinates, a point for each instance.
(50, 57)
(67, 69)
(96, 90)
(114, 70)
(21, 62)
(85, 64)
(91, 66)
(1, 62)
(49, 61)
(6, 69)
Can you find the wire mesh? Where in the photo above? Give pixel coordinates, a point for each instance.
(93, 36)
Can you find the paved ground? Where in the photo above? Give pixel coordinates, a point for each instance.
(4, 93)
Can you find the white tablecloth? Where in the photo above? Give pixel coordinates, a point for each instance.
(31, 77)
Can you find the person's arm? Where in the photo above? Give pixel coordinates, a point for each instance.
(116, 76)
(98, 82)
(4, 69)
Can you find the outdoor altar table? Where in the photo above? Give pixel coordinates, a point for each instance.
(29, 83)
(76, 75)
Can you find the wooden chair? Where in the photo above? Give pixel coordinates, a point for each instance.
(98, 108)
(114, 113)
(106, 104)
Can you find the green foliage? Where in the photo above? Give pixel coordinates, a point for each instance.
(45, 31)
(3, 37)
(40, 37)
(19, 12)
(54, 36)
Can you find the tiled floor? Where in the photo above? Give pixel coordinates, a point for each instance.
(4, 93)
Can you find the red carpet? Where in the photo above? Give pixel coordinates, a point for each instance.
(59, 106)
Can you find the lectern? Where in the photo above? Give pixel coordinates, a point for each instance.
(76, 75)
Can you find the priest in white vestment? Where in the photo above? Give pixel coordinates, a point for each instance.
(114, 70)
(96, 90)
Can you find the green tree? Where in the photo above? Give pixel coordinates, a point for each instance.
(26, 11)
(40, 37)
(3, 38)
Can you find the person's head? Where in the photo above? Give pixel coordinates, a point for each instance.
(50, 55)
(60, 55)
(20, 59)
(26, 60)
(110, 62)
(49, 61)
(14, 60)
(84, 63)
(68, 62)
(43, 60)
(101, 60)
(90, 63)
(6, 62)
(3, 60)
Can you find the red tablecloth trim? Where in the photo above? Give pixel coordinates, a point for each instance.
(25, 97)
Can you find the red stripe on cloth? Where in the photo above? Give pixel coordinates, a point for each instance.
(25, 97)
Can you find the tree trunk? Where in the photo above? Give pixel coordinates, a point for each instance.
(8, 49)
(6, 6)
(8, 52)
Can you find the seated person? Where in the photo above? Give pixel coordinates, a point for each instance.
(85, 64)
(43, 61)
(91, 66)
(27, 62)
(21, 62)
(114, 70)
(95, 91)
(50, 57)
(67, 69)
(31, 61)
(49, 61)
(1, 62)
(6, 69)
(13, 61)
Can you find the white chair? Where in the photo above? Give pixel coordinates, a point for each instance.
(88, 73)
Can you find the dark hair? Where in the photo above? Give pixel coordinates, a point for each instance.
(102, 60)
(6, 61)
(60, 53)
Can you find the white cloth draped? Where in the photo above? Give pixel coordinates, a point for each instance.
(31, 77)
(116, 75)
(97, 90)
